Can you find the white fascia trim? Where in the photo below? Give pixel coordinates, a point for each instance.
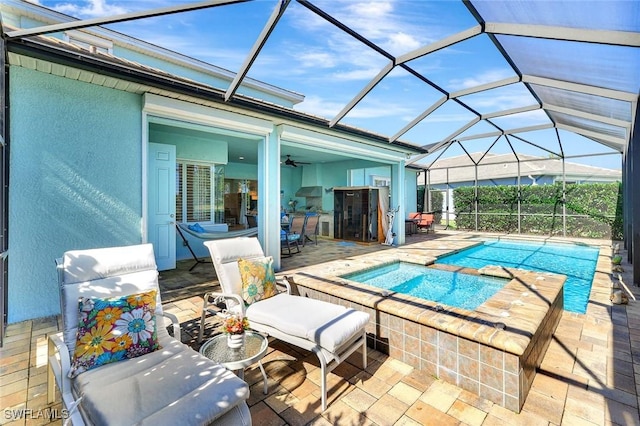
(201, 66)
(336, 144)
(185, 111)
(88, 38)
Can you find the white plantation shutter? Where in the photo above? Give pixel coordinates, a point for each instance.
(198, 193)
(179, 191)
(194, 192)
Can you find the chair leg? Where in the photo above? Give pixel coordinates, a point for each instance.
(287, 246)
(202, 319)
(364, 351)
(51, 379)
(323, 380)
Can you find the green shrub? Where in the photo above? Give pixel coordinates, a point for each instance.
(593, 210)
(436, 201)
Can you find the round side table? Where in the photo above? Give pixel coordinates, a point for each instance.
(252, 350)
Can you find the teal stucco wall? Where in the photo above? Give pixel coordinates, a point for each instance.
(75, 180)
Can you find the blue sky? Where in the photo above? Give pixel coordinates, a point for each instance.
(308, 55)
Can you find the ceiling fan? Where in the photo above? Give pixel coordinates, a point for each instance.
(290, 162)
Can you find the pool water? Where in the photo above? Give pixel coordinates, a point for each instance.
(450, 288)
(577, 262)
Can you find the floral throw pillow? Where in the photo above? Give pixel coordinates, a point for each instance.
(258, 279)
(114, 329)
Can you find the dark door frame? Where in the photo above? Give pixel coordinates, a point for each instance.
(4, 182)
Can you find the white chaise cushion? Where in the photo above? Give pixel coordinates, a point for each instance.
(326, 324)
(104, 272)
(165, 387)
(225, 254)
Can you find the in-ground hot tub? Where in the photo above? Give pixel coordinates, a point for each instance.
(492, 351)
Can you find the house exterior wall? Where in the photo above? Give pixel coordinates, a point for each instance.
(77, 163)
(411, 191)
(75, 180)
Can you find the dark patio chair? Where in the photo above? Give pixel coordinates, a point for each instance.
(311, 226)
(252, 221)
(289, 241)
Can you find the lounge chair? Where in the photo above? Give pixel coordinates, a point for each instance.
(167, 386)
(330, 331)
(203, 233)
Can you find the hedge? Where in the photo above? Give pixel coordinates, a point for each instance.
(436, 203)
(593, 210)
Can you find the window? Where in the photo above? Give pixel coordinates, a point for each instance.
(90, 42)
(380, 181)
(198, 196)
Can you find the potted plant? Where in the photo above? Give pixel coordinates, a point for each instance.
(234, 327)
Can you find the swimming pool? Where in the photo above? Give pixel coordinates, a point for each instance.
(577, 262)
(492, 351)
(450, 288)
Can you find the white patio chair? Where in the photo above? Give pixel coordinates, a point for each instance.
(171, 385)
(330, 331)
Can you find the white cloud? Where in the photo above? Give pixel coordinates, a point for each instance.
(361, 74)
(489, 102)
(314, 104)
(480, 79)
(401, 42)
(372, 110)
(90, 9)
(316, 59)
(523, 119)
(386, 25)
(447, 118)
(328, 108)
(371, 9)
(379, 21)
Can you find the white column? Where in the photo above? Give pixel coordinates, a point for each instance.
(398, 198)
(269, 196)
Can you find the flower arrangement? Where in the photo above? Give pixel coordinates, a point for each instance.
(293, 204)
(235, 324)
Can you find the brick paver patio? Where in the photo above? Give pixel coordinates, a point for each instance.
(590, 374)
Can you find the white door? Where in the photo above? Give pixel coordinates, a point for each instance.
(162, 204)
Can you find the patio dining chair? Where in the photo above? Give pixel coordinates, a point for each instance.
(332, 332)
(289, 241)
(296, 224)
(311, 226)
(112, 372)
